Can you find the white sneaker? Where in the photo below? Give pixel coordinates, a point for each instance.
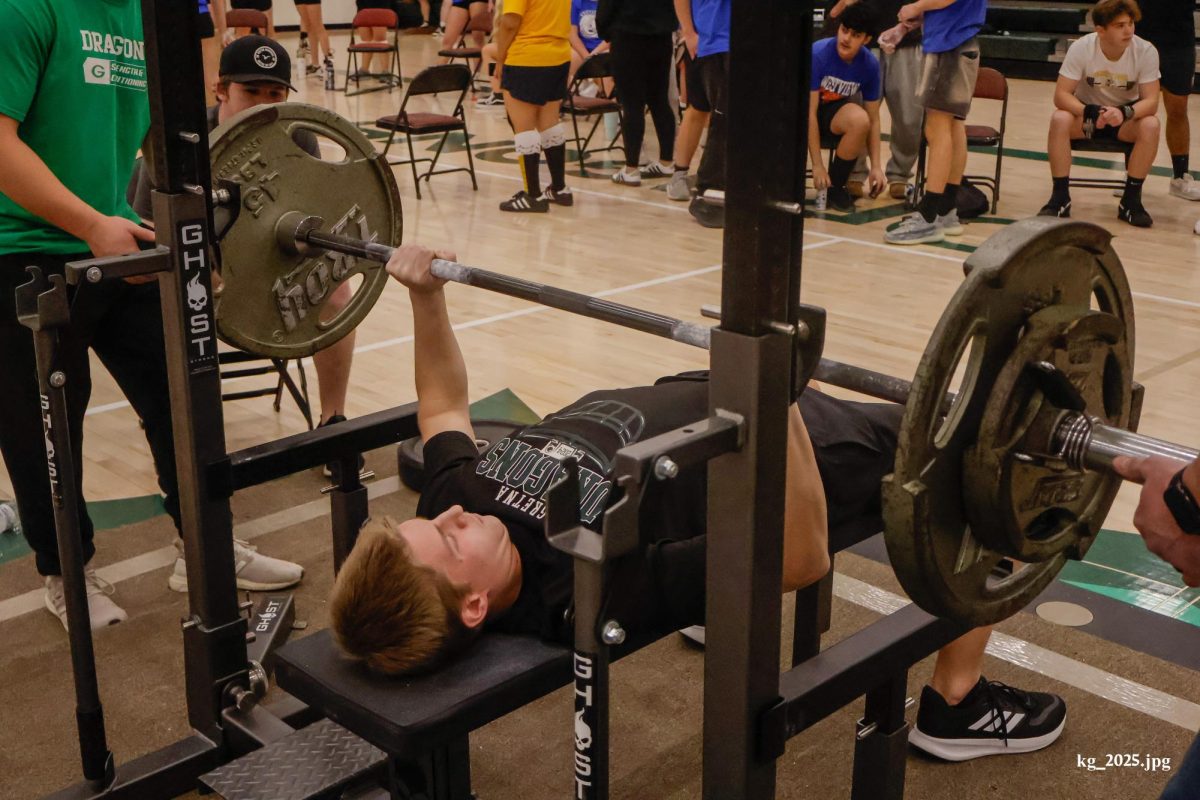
(678, 188)
(1185, 187)
(913, 229)
(627, 178)
(656, 169)
(255, 572)
(101, 609)
(694, 634)
(950, 224)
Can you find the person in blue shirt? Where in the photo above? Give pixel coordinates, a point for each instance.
(843, 69)
(585, 38)
(947, 85)
(710, 19)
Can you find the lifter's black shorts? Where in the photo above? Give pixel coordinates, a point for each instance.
(257, 5)
(307, 2)
(1178, 68)
(697, 98)
(535, 85)
(207, 30)
(364, 4)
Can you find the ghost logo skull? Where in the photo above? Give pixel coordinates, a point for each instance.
(197, 297)
(583, 733)
(266, 57)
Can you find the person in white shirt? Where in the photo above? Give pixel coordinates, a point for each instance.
(1108, 88)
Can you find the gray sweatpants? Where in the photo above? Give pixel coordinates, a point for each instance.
(901, 74)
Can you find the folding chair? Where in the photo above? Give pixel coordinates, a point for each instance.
(249, 18)
(1101, 146)
(595, 67)
(480, 23)
(989, 85)
(432, 80)
(276, 366)
(374, 18)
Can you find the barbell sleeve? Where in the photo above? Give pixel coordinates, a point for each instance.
(1086, 443)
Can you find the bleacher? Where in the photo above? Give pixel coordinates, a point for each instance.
(1029, 38)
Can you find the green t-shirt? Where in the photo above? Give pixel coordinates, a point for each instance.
(73, 75)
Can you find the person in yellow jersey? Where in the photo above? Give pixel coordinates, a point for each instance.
(533, 55)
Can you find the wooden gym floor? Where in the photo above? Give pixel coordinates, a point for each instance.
(636, 246)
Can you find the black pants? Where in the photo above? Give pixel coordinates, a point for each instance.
(122, 323)
(714, 71)
(641, 67)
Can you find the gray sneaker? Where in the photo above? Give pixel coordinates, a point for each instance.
(913, 229)
(678, 188)
(949, 223)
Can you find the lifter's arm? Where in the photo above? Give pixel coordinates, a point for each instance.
(805, 527)
(441, 373)
(30, 184)
(506, 31)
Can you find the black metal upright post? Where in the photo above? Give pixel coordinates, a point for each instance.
(177, 154)
(43, 307)
(752, 368)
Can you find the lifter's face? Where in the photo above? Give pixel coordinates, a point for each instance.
(1118, 33)
(850, 41)
(237, 97)
(470, 550)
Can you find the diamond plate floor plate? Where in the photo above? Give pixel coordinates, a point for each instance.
(312, 760)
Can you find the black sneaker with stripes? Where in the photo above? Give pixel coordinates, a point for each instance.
(992, 719)
(524, 202)
(562, 197)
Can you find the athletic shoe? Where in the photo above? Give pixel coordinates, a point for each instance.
(493, 100)
(949, 223)
(1053, 209)
(992, 719)
(677, 188)
(102, 611)
(523, 202)
(913, 229)
(255, 572)
(855, 188)
(627, 178)
(655, 169)
(560, 197)
(1185, 187)
(312, 69)
(333, 470)
(1135, 214)
(302, 51)
(694, 634)
(710, 215)
(839, 199)
(898, 190)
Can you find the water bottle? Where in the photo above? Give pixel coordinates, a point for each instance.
(329, 84)
(9, 521)
(821, 200)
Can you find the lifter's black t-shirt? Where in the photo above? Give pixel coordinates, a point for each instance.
(664, 590)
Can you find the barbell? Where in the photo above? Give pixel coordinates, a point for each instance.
(1011, 466)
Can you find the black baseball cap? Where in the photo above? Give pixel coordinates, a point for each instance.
(254, 59)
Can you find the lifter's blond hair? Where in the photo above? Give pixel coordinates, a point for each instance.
(395, 615)
(1104, 12)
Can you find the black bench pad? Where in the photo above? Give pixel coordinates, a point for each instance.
(409, 717)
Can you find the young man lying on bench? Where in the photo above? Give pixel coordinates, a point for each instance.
(412, 594)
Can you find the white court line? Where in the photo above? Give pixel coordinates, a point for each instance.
(165, 556)
(1114, 688)
(1129, 574)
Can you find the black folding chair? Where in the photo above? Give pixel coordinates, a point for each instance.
(595, 68)
(432, 80)
(480, 23)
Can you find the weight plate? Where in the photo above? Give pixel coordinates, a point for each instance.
(1022, 499)
(277, 303)
(947, 567)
